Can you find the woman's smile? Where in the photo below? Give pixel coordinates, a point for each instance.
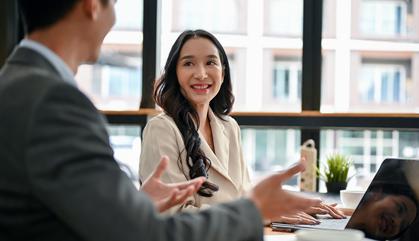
(201, 88)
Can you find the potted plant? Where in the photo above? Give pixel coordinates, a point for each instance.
(335, 172)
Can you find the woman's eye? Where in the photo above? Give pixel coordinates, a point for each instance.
(212, 62)
(187, 64)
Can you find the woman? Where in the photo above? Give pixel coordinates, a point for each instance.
(196, 95)
(195, 130)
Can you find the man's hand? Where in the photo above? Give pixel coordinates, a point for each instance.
(165, 195)
(273, 202)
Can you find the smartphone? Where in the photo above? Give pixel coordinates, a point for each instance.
(283, 229)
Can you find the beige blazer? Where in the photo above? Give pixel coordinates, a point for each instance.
(228, 169)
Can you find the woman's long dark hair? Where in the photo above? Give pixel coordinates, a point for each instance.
(168, 96)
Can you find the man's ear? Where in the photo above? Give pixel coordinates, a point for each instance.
(91, 8)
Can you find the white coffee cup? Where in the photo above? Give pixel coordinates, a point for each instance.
(351, 198)
(329, 235)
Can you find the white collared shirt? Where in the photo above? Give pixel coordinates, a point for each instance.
(63, 70)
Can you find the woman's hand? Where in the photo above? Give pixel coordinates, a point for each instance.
(307, 217)
(298, 218)
(323, 208)
(165, 196)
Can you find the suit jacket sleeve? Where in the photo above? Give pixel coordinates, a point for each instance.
(71, 170)
(161, 137)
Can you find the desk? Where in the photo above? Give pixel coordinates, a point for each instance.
(277, 236)
(270, 235)
(286, 236)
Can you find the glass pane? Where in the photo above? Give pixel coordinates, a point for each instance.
(218, 16)
(329, 19)
(129, 15)
(237, 58)
(114, 82)
(263, 44)
(385, 19)
(371, 63)
(270, 150)
(368, 149)
(282, 68)
(282, 81)
(284, 17)
(126, 143)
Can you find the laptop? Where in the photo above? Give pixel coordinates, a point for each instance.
(387, 211)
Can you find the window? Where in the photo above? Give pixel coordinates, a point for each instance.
(115, 81)
(370, 65)
(282, 80)
(254, 34)
(284, 17)
(267, 150)
(369, 148)
(218, 16)
(286, 81)
(383, 18)
(129, 15)
(383, 83)
(126, 143)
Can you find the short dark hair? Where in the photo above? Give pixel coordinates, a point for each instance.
(168, 96)
(38, 14)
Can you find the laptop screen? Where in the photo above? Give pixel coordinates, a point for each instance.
(389, 208)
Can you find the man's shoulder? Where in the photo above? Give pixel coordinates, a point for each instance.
(30, 84)
(26, 77)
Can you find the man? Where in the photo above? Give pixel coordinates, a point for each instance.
(58, 177)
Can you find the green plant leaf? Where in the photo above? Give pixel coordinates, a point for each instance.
(336, 168)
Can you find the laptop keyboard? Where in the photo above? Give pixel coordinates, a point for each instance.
(326, 223)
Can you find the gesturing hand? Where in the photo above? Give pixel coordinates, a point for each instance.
(166, 195)
(274, 202)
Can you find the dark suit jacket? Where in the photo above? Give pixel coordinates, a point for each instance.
(59, 180)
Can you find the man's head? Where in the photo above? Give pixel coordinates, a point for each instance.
(43, 13)
(85, 20)
(38, 15)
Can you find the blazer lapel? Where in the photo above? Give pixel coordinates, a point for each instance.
(219, 159)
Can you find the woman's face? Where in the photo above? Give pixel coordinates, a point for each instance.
(199, 71)
(390, 215)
